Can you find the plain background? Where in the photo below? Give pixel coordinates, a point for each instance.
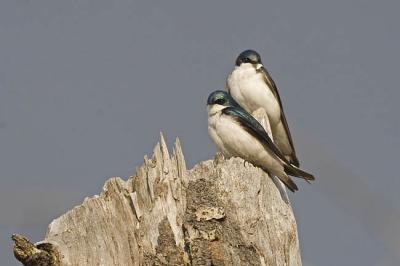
(86, 86)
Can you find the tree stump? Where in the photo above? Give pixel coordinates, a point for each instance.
(221, 212)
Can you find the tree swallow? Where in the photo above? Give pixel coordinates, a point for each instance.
(252, 87)
(237, 134)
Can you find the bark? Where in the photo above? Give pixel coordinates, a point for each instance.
(221, 212)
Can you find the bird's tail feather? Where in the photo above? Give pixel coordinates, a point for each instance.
(288, 182)
(281, 187)
(295, 171)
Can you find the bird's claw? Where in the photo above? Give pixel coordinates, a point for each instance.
(218, 158)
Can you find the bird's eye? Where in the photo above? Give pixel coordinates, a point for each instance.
(250, 60)
(220, 101)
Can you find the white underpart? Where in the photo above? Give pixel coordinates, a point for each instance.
(233, 141)
(248, 88)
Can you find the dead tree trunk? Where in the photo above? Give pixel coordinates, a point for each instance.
(221, 212)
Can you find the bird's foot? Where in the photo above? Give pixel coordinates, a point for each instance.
(219, 158)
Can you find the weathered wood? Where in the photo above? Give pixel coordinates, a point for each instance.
(221, 212)
(41, 254)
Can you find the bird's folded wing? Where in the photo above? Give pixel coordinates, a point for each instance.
(271, 84)
(251, 125)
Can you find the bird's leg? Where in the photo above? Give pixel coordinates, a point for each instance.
(219, 157)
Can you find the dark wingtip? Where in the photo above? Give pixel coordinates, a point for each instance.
(289, 184)
(306, 175)
(293, 187)
(295, 171)
(295, 161)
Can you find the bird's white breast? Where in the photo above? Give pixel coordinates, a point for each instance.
(249, 89)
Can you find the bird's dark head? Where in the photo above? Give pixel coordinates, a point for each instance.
(248, 56)
(221, 98)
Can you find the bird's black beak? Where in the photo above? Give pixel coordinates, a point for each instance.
(259, 66)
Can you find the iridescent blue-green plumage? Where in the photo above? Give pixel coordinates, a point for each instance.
(252, 126)
(248, 56)
(221, 98)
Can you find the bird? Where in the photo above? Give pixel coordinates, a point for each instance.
(252, 87)
(238, 134)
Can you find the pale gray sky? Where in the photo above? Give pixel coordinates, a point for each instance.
(86, 86)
